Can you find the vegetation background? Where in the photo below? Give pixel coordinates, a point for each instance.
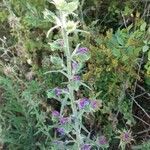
(118, 71)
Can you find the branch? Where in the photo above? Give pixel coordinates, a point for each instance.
(56, 71)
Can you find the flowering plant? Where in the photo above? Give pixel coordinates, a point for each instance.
(70, 125)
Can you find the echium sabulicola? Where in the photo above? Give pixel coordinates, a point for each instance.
(69, 125)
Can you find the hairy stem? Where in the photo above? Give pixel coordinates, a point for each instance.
(70, 76)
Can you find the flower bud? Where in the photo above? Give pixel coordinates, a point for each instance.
(76, 78)
(64, 120)
(8, 70)
(59, 3)
(58, 91)
(102, 140)
(61, 131)
(82, 50)
(55, 113)
(86, 147)
(83, 103)
(71, 26)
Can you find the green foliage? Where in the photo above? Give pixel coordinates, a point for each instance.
(112, 68)
(118, 40)
(23, 123)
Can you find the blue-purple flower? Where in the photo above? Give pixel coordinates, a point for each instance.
(64, 120)
(102, 140)
(58, 91)
(55, 113)
(74, 65)
(86, 147)
(96, 104)
(76, 78)
(83, 102)
(126, 136)
(61, 131)
(82, 50)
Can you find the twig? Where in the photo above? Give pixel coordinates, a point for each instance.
(142, 120)
(140, 95)
(138, 74)
(143, 89)
(140, 107)
(124, 20)
(141, 132)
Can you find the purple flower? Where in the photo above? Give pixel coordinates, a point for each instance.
(76, 78)
(60, 42)
(126, 136)
(94, 104)
(102, 140)
(58, 91)
(61, 131)
(74, 65)
(55, 113)
(86, 147)
(82, 50)
(83, 103)
(64, 120)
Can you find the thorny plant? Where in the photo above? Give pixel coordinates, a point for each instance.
(69, 127)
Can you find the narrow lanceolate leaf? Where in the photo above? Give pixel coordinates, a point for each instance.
(51, 94)
(71, 7)
(145, 48)
(143, 26)
(50, 16)
(149, 55)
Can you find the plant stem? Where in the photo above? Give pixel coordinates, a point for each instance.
(70, 76)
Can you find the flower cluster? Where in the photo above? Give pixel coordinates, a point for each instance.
(75, 65)
(55, 113)
(126, 137)
(82, 50)
(102, 140)
(61, 121)
(86, 147)
(64, 120)
(60, 131)
(85, 102)
(58, 91)
(76, 78)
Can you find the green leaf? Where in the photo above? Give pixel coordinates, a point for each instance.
(148, 30)
(82, 57)
(143, 26)
(75, 85)
(116, 52)
(51, 94)
(60, 4)
(149, 55)
(56, 45)
(145, 48)
(3, 15)
(125, 58)
(57, 61)
(120, 40)
(71, 7)
(147, 80)
(50, 16)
